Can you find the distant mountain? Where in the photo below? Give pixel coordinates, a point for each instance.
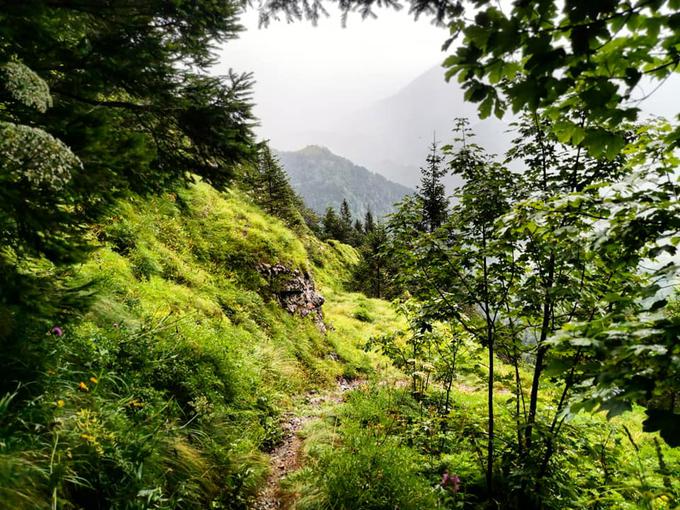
(392, 136)
(324, 179)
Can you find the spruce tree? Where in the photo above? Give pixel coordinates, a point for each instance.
(432, 192)
(273, 189)
(369, 222)
(345, 219)
(97, 100)
(374, 273)
(331, 225)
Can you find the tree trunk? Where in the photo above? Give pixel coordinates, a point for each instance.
(541, 352)
(490, 444)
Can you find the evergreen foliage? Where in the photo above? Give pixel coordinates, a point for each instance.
(432, 192)
(373, 275)
(146, 362)
(268, 183)
(369, 222)
(99, 100)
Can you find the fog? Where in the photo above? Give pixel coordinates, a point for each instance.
(372, 92)
(310, 76)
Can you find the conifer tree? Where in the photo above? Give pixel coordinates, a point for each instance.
(272, 188)
(432, 192)
(376, 269)
(99, 99)
(345, 220)
(358, 232)
(369, 222)
(331, 225)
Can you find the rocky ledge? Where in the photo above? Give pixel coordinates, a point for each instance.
(295, 291)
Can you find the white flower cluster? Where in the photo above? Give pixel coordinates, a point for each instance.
(25, 86)
(32, 154)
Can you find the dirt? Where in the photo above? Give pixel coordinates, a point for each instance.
(286, 458)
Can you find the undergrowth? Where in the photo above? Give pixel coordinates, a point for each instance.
(387, 446)
(168, 392)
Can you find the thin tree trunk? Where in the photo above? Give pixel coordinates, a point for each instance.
(490, 444)
(540, 354)
(489, 340)
(518, 395)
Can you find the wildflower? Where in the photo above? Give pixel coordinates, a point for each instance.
(452, 481)
(83, 387)
(94, 380)
(60, 403)
(57, 331)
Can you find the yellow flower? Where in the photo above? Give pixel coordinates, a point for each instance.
(93, 380)
(60, 403)
(83, 387)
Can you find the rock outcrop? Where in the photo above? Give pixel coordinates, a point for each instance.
(295, 291)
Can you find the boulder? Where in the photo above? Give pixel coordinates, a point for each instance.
(295, 291)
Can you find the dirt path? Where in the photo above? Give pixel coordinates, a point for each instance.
(285, 458)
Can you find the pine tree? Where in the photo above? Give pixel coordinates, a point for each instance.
(432, 192)
(273, 190)
(369, 222)
(331, 225)
(357, 237)
(345, 219)
(94, 104)
(373, 275)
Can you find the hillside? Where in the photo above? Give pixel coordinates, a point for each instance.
(324, 179)
(179, 331)
(188, 372)
(170, 390)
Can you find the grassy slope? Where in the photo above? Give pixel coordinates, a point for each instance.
(169, 391)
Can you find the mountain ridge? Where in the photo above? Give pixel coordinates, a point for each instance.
(324, 178)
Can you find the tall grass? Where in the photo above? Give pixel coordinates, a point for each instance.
(168, 392)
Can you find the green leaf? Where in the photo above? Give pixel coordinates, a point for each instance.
(485, 107)
(615, 407)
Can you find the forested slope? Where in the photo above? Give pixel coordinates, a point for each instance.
(324, 179)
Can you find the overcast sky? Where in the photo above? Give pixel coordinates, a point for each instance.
(306, 73)
(314, 82)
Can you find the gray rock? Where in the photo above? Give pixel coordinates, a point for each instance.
(295, 291)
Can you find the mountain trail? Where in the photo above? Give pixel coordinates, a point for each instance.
(285, 458)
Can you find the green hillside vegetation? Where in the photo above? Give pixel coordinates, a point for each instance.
(387, 447)
(163, 340)
(168, 392)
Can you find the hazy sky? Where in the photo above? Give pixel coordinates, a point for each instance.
(306, 74)
(321, 85)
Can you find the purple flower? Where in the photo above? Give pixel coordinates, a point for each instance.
(452, 481)
(57, 331)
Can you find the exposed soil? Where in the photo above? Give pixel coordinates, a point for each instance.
(286, 457)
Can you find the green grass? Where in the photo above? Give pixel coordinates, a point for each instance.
(169, 391)
(596, 464)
